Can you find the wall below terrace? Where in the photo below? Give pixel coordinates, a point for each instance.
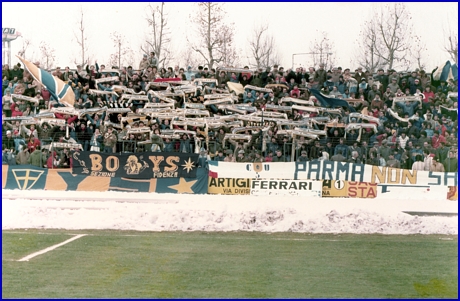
(247, 181)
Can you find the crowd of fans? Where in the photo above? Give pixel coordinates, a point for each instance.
(415, 134)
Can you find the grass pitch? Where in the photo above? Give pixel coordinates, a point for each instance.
(128, 264)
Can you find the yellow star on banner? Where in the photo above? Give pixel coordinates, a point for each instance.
(183, 186)
(189, 165)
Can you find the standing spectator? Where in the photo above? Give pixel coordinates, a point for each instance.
(220, 156)
(359, 74)
(339, 156)
(8, 156)
(303, 157)
(32, 143)
(279, 157)
(22, 157)
(451, 163)
(240, 157)
(7, 102)
(355, 158)
(437, 139)
(15, 111)
(382, 78)
(53, 160)
(8, 141)
(442, 152)
(65, 160)
(153, 60)
(402, 140)
(229, 157)
(96, 141)
(436, 165)
(269, 157)
(110, 140)
(341, 148)
(429, 95)
(393, 86)
(37, 158)
(415, 86)
(315, 151)
(418, 164)
(408, 107)
(371, 95)
(320, 75)
(185, 146)
(168, 145)
(144, 64)
(392, 162)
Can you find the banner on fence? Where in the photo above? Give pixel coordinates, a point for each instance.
(29, 177)
(145, 165)
(257, 170)
(330, 170)
(286, 187)
(334, 189)
(362, 190)
(229, 186)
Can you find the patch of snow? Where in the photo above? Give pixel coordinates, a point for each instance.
(184, 212)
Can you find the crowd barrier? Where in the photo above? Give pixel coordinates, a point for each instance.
(181, 173)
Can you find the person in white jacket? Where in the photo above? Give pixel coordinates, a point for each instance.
(418, 164)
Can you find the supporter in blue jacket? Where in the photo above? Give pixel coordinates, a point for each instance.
(341, 148)
(408, 107)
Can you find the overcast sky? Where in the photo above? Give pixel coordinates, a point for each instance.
(294, 25)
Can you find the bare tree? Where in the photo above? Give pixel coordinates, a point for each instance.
(451, 45)
(190, 58)
(273, 59)
(393, 34)
(124, 54)
(216, 40)
(418, 52)
(82, 38)
(47, 54)
(158, 39)
(262, 46)
(228, 52)
(366, 52)
(322, 51)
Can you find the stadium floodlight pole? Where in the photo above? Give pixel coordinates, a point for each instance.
(294, 54)
(8, 35)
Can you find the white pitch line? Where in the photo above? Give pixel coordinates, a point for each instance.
(51, 248)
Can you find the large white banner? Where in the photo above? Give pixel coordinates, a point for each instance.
(252, 170)
(330, 170)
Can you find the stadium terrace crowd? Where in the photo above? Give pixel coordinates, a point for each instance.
(396, 119)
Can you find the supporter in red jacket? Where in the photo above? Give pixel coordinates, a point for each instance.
(15, 112)
(33, 143)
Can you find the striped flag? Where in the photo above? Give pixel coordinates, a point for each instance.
(445, 72)
(60, 91)
(329, 102)
(213, 165)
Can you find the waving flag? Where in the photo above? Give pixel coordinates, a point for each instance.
(60, 91)
(329, 102)
(445, 72)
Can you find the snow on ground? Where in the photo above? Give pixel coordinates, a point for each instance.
(174, 212)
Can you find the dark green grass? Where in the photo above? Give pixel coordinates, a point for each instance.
(110, 264)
